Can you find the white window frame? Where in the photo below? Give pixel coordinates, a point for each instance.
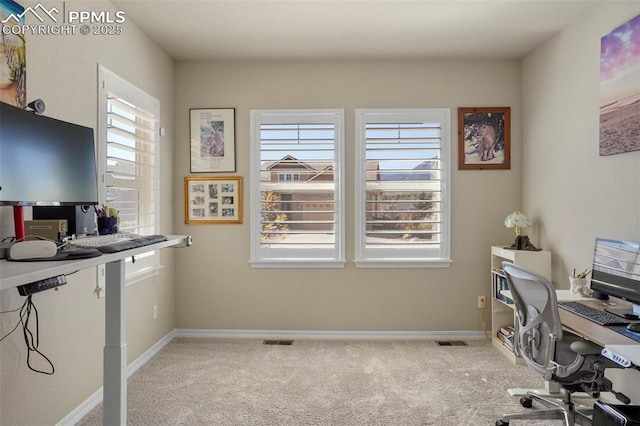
(403, 257)
(146, 264)
(292, 258)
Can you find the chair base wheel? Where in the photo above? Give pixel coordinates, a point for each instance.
(526, 401)
(502, 423)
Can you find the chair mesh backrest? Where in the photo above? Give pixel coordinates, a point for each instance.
(538, 325)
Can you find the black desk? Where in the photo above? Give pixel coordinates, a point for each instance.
(13, 274)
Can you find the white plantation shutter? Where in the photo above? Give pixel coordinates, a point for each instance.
(131, 165)
(403, 201)
(297, 188)
(129, 161)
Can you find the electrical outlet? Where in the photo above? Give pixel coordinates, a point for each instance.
(482, 302)
(155, 311)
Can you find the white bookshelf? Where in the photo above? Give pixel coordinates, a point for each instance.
(502, 309)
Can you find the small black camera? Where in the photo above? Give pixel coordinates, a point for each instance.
(37, 106)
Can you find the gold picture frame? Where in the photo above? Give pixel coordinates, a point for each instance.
(212, 199)
(484, 138)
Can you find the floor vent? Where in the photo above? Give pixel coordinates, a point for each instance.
(278, 342)
(451, 343)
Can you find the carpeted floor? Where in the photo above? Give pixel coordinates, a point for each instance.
(200, 381)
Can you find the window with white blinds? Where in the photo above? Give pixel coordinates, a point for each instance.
(297, 214)
(128, 152)
(402, 194)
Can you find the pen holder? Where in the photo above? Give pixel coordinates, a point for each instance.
(579, 286)
(107, 225)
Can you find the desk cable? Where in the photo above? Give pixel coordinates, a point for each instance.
(484, 322)
(31, 338)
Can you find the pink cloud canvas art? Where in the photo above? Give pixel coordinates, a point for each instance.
(620, 89)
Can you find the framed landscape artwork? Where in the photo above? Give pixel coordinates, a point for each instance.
(484, 138)
(620, 89)
(213, 199)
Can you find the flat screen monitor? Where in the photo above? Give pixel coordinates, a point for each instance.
(616, 272)
(44, 161)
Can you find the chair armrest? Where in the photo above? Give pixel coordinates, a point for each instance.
(584, 347)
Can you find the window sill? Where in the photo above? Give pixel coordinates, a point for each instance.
(403, 263)
(143, 275)
(297, 263)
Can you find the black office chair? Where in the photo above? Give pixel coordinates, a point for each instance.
(560, 357)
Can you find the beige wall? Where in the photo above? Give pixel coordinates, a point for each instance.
(572, 193)
(217, 288)
(62, 70)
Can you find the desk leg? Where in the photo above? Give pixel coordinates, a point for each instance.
(115, 349)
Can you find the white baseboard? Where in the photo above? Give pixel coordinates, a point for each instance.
(332, 335)
(82, 410)
(149, 353)
(90, 403)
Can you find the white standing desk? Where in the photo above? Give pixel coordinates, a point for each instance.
(13, 274)
(561, 295)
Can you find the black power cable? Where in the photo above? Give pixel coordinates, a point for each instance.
(31, 338)
(17, 324)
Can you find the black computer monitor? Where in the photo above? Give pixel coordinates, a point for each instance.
(44, 162)
(616, 272)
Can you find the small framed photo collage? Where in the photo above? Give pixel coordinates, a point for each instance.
(211, 199)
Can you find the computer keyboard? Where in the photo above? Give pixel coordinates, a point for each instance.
(114, 243)
(592, 314)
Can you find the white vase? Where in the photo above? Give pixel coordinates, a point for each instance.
(579, 285)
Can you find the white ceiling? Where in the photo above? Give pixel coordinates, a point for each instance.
(335, 29)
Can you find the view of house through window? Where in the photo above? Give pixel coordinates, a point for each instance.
(402, 178)
(297, 158)
(403, 207)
